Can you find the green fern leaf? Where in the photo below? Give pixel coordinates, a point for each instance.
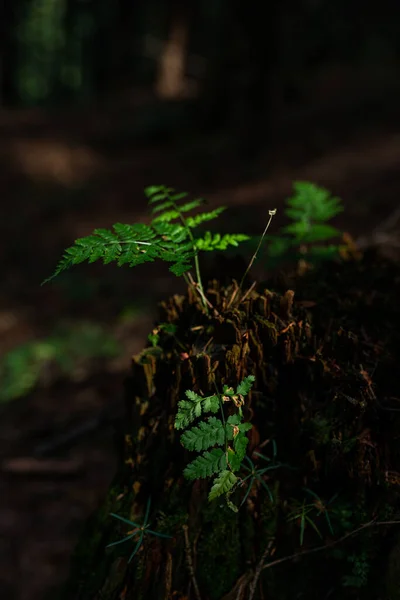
(179, 196)
(211, 242)
(234, 461)
(245, 386)
(123, 231)
(205, 435)
(96, 254)
(222, 484)
(166, 217)
(239, 444)
(211, 404)
(206, 465)
(313, 202)
(106, 235)
(179, 269)
(111, 253)
(204, 217)
(191, 205)
(189, 410)
(156, 193)
(163, 206)
(176, 213)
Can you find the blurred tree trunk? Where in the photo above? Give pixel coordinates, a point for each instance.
(171, 81)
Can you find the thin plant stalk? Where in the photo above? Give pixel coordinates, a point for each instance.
(271, 214)
(196, 257)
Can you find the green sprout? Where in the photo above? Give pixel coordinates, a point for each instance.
(303, 510)
(257, 474)
(139, 530)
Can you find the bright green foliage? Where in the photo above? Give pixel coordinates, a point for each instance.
(216, 241)
(206, 434)
(168, 237)
(245, 386)
(215, 432)
(189, 410)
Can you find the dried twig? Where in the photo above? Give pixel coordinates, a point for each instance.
(196, 286)
(253, 584)
(330, 544)
(251, 288)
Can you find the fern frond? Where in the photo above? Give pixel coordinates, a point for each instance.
(240, 444)
(189, 410)
(245, 385)
(217, 241)
(156, 193)
(206, 465)
(133, 245)
(204, 217)
(170, 215)
(222, 484)
(313, 201)
(205, 435)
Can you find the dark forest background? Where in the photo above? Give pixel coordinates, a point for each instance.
(226, 99)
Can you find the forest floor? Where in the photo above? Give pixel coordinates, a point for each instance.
(61, 177)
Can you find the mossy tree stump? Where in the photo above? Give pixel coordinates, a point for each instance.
(324, 359)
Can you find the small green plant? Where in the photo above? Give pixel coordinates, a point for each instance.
(154, 336)
(170, 237)
(138, 531)
(215, 432)
(302, 513)
(257, 475)
(309, 208)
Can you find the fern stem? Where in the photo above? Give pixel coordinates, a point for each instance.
(271, 214)
(196, 256)
(221, 407)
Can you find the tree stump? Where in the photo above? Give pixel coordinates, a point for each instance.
(321, 407)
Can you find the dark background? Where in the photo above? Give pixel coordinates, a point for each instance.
(99, 98)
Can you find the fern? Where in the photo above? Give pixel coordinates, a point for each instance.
(216, 241)
(169, 237)
(309, 208)
(245, 386)
(189, 410)
(206, 465)
(222, 484)
(215, 432)
(205, 435)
